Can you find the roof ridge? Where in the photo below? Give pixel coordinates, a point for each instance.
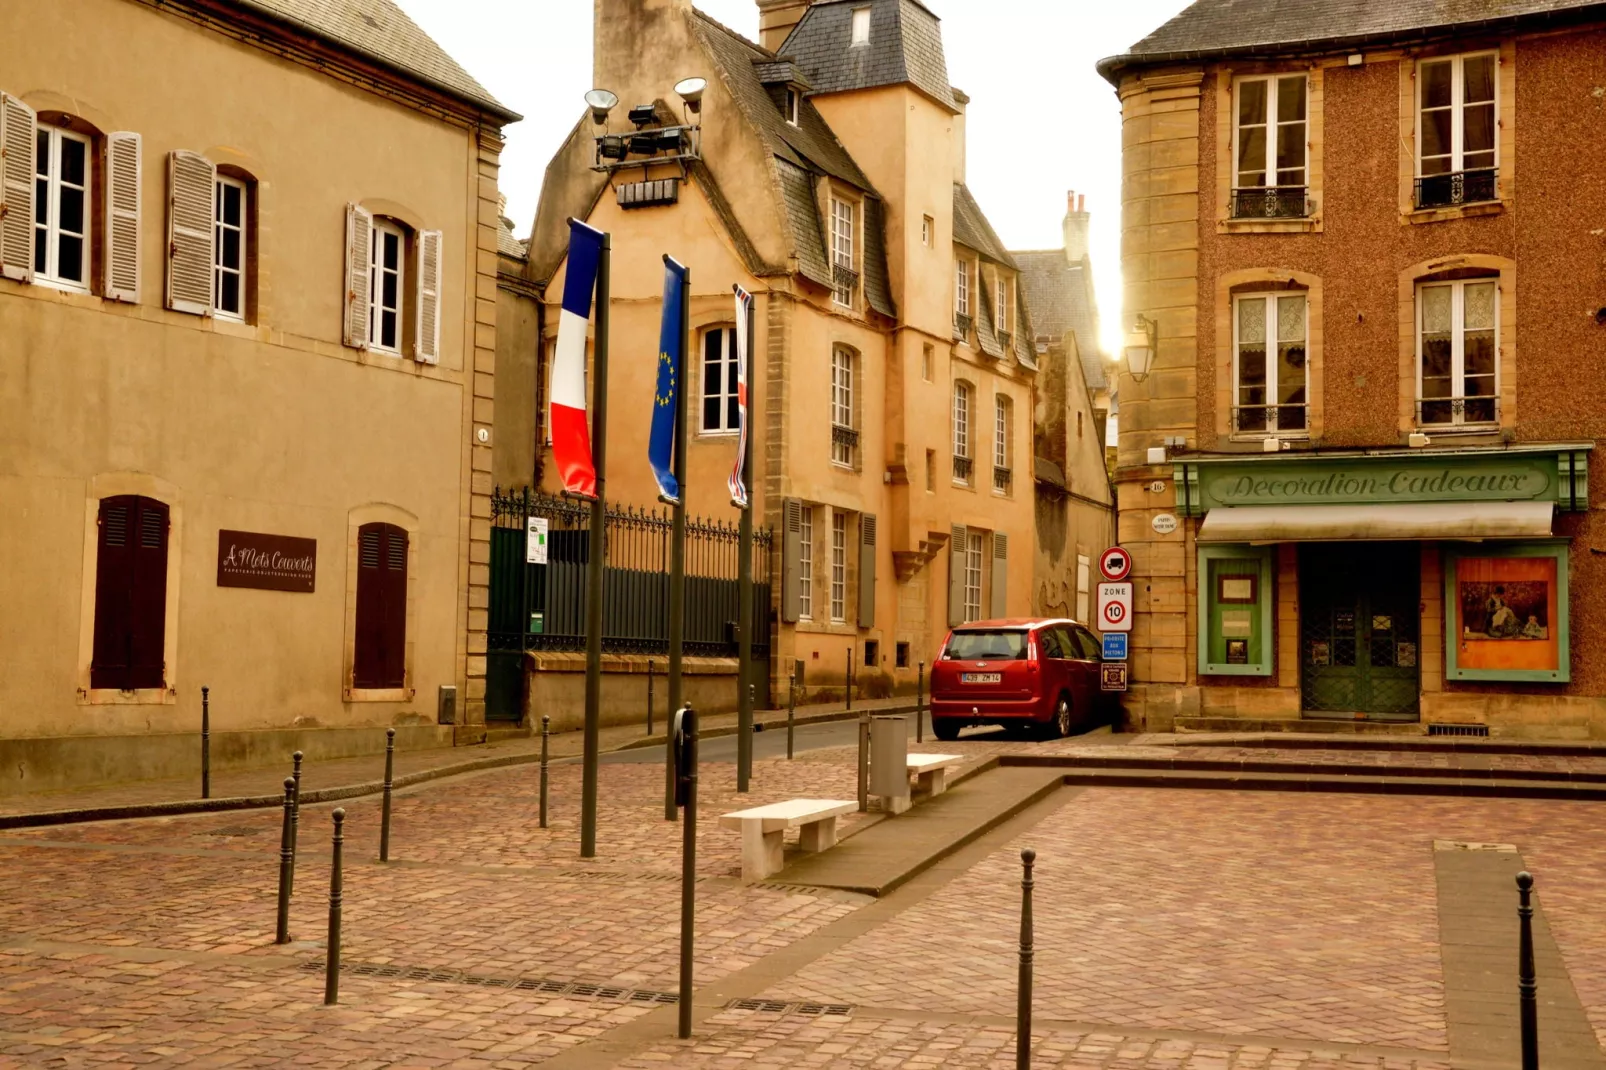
(755, 46)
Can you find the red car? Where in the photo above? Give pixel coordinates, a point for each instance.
(1033, 676)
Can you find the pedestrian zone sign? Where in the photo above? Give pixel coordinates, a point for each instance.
(1115, 607)
(1114, 646)
(1112, 676)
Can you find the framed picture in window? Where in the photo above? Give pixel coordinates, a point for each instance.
(1240, 590)
(1506, 613)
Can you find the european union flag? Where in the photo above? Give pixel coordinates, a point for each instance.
(671, 364)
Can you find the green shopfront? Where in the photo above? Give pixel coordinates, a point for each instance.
(1394, 585)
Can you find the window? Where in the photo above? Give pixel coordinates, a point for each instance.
(842, 252)
(1271, 147)
(839, 566)
(1084, 578)
(1004, 318)
(720, 402)
(901, 654)
(805, 564)
(962, 288)
(927, 353)
(844, 439)
(927, 227)
(973, 566)
(962, 432)
(61, 208)
(1270, 385)
(861, 25)
(1456, 353)
(381, 649)
(1078, 425)
(872, 653)
(1456, 130)
(228, 250)
(931, 471)
(130, 594)
(1002, 476)
(385, 287)
(792, 99)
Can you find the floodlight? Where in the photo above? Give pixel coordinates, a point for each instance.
(601, 102)
(691, 91)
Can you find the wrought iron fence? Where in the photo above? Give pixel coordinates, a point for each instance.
(1270, 202)
(1250, 419)
(1468, 410)
(1456, 188)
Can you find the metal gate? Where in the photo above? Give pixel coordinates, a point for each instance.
(1360, 626)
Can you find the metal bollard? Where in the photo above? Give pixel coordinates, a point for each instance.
(847, 679)
(206, 743)
(287, 864)
(791, 713)
(331, 976)
(546, 734)
(1023, 1006)
(920, 704)
(384, 813)
(295, 816)
(864, 762)
(1527, 982)
(687, 797)
(649, 700)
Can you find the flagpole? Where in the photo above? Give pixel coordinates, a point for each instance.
(744, 587)
(594, 563)
(677, 549)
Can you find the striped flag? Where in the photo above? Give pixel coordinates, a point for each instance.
(744, 319)
(666, 398)
(571, 438)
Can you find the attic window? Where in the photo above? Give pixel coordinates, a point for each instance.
(792, 99)
(861, 26)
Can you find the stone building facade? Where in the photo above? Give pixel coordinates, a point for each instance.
(1355, 482)
(247, 339)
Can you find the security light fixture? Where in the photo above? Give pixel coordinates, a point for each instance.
(1141, 344)
(601, 102)
(691, 91)
(613, 147)
(643, 115)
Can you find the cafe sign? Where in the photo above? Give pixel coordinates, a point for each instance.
(266, 562)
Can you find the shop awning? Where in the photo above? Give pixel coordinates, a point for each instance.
(1413, 520)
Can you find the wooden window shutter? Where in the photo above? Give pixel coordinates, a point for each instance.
(867, 533)
(427, 349)
(130, 594)
(191, 217)
(359, 250)
(123, 174)
(791, 560)
(18, 131)
(956, 574)
(1000, 607)
(381, 650)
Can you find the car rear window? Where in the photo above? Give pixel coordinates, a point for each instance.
(987, 645)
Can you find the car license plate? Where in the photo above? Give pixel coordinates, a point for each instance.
(983, 677)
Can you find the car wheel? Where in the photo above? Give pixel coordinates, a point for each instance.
(945, 730)
(1061, 727)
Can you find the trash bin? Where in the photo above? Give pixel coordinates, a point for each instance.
(889, 759)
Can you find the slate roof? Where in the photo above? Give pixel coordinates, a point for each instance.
(803, 153)
(507, 244)
(971, 228)
(1211, 27)
(379, 30)
(905, 46)
(1061, 297)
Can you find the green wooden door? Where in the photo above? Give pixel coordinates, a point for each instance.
(1360, 624)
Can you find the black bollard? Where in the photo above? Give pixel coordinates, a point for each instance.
(206, 743)
(287, 864)
(847, 679)
(295, 816)
(384, 813)
(791, 713)
(546, 732)
(920, 704)
(864, 762)
(686, 796)
(649, 698)
(1023, 1006)
(331, 976)
(1527, 982)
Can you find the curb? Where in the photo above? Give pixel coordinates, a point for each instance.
(771, 725)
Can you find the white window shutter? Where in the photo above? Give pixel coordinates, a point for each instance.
(359, 250)
(427, 349)
(123, 181)
(191, 219)
(18, 129)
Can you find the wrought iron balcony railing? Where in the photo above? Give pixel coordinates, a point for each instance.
(963, 467)
(1270, 202)
(1269, 419)
(844, 436)
(1002, 479)
(1442, 412)
(962, 325)
(1457, 188)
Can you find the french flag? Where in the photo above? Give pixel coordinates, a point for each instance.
(571, 438)
(744, 318)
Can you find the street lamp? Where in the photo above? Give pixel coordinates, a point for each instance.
(1141, 343)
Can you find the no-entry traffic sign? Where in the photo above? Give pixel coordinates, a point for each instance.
(1115, 607)
(1115, 564)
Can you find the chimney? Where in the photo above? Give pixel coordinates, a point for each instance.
(1076, 227)
(960, 100)
(776, 18)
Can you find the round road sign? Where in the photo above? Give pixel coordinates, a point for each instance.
(1115, 564)
(1114, 614)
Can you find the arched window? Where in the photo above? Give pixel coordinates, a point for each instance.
(380, 659)
(1003, 434)
(234, 244)
(1271, 375)
(393, 286)
(720, 405)
(130, 594)
(844, 428)
(1458, 352)
(963, 463)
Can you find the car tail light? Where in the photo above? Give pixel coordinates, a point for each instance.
(1031, 653)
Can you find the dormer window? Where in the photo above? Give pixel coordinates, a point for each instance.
(793, 100)
(861, 26)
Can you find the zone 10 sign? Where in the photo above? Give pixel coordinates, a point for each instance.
(1115, 607)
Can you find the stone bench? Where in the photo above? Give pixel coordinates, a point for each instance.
(931, 771)
(763, 827)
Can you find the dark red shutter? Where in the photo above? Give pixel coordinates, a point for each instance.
(381, 655)
(130, 594)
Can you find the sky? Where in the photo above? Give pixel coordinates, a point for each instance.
(1040, 122)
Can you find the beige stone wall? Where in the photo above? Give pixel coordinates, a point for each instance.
(272, 426)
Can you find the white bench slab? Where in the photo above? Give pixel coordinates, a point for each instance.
(931, 771)
(763, 828)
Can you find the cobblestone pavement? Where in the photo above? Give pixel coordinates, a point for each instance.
(1178, 930)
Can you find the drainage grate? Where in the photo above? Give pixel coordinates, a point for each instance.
(615, 875)
(232, 830)
(776, 1006)
(1458, 730)
(522, 984)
